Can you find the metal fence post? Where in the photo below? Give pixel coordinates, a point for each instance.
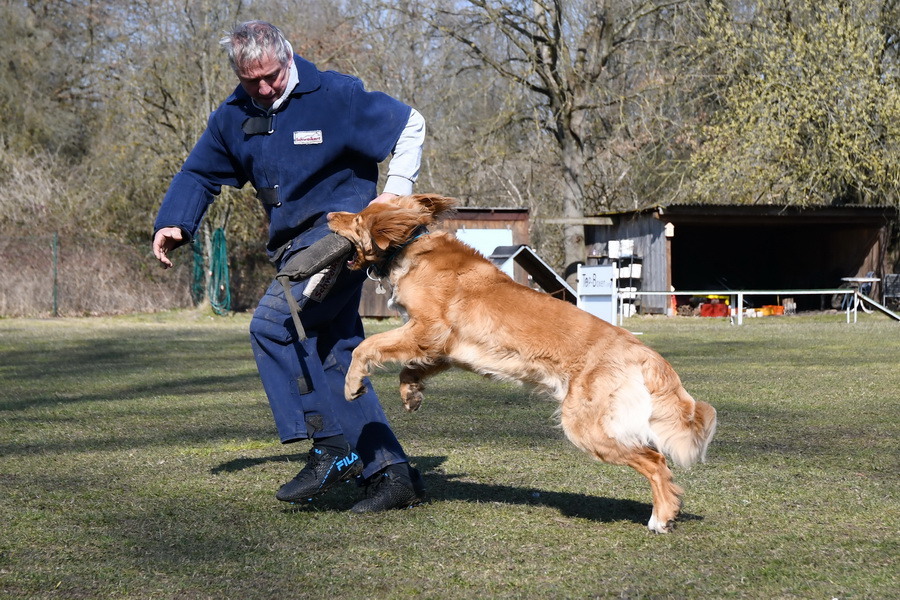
(55, 247)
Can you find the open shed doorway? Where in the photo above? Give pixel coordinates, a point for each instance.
(778, 252)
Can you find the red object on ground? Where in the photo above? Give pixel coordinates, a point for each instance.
(713, 310)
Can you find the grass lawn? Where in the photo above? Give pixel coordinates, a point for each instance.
(138, 459)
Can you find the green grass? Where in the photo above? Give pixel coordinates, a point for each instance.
(138, 459)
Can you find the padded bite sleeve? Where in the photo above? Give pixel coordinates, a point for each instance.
(310, 261)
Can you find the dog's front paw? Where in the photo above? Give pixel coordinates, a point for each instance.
(352, 390)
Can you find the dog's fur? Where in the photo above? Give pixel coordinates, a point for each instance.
(620, 401)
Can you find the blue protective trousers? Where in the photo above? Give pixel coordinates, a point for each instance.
(304, 380)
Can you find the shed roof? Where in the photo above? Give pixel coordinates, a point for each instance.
(492, 213)
(765, 213)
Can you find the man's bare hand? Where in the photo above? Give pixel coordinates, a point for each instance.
(166, 239)
(384, 197)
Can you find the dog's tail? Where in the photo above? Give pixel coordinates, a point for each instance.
(683, 427)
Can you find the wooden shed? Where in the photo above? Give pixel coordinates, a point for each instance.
(707, 247)
(483, 228)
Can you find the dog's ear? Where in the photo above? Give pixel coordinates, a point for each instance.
(437, 206)
(380, 239)
(393, 227)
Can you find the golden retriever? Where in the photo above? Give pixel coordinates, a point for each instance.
(619, 400)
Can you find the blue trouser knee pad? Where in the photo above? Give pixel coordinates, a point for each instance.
(304, 378)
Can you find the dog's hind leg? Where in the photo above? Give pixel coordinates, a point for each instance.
(615, 428)
(652, 465)
(412, 382)
(582, 432)
(666, 494)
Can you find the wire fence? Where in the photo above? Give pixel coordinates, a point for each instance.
(68, 275)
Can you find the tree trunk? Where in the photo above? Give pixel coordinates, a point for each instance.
(573, 207)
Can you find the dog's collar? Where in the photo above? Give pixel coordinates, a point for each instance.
(382, 269)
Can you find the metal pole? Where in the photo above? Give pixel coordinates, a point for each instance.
(55, 274)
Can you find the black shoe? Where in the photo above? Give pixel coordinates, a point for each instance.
(392, 488)
(322, 471)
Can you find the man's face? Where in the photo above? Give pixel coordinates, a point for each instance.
(264, 80)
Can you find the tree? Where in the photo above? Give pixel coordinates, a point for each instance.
(51, 101)
(809, 104)
(579, 68)
(53, 61)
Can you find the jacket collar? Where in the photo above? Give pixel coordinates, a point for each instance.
(306, 72)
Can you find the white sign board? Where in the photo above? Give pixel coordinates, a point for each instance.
(597, 291)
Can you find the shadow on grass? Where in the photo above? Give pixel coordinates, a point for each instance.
(123, 366)
(447, 487)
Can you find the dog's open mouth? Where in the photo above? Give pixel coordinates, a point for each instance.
(360, 260)
(357, 260)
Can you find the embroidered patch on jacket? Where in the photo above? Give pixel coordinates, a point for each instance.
(302, 138)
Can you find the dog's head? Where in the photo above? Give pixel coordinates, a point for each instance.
(381, 226)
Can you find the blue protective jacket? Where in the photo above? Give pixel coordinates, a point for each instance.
(321, 155)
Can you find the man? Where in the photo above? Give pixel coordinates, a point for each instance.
(310, 142)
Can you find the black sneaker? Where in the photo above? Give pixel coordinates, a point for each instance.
(391, 488)
(322, 471)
